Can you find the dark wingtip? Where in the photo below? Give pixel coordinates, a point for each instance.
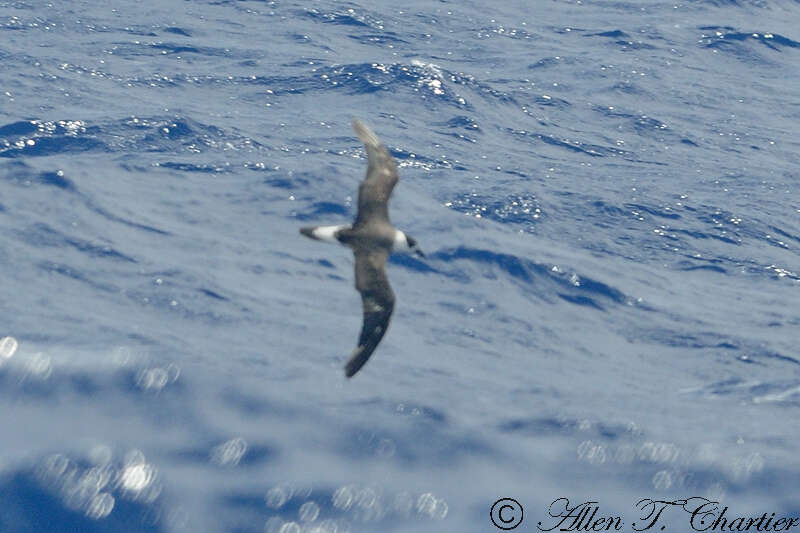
(307, 231)
(356, 361)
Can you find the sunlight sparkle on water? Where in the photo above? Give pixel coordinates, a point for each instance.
(8, 346)
(229, 453)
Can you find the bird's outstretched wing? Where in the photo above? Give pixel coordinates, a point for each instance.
(377, 300)
(375, 190)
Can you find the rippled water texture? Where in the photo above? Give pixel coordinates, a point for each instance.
(606, 194)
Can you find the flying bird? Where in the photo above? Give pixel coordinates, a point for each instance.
(372, 238)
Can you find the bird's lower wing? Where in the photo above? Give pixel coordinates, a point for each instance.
(377, 300)
(372, 331)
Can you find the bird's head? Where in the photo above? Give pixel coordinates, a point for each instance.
(412, 247)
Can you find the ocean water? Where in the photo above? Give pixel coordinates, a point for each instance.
(607, 194)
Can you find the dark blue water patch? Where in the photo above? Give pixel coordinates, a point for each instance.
(195, 167)
(428, 82)
(629, 87)
(545, 425)
(512, 265)
(158, 130)
(579, 299)
(158, 391)
(402, 155)
(42, 235)
(182, 128)
(336, 509)
(170, 48)
(725, 226)
(701, 235)
(738, 50)
(354, 78)
(726, 34)
(186, 302)
(240, 54)
(764, 354)
(255, 455)
(501, 31)
(303, 39)
(57, 144)
(644, 124)
(115, 218)
(613, 34)
(172, 135)
(732, 3)
(593, 150)
(781, 393)
(283, 183)
(258, 454)
(56, 179)
(51, 267)
(660, 212)
(139, 30)
(705, 340)
(17, 129)
(784, 234)
(690, 265)
(380, 39)
(547, 62)
(735, 386)
(415, 445)
(18, 383)
(323, 209)
(132, 50)
(520, 209)
(31, 506)
(425, 413)
(640, 124)
(422, 414)
(178, 31)
(462, 122)
(462, 128)
(623, 40)
(212, 294)
(594, 289)
(412, 263)
(534, 426)
(634, 45)
(607, 210)
(342, 19)
(24, 135)
(568, 286)
(252, 406)
(19, 173)
(551, 101)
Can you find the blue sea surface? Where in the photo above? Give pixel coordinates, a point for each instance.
(607, 194)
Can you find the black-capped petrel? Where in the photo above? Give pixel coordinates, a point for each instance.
(372, 238)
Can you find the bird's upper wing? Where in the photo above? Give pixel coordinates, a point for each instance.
(377, 300)
(375, 190)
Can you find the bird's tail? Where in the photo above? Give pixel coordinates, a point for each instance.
(323, 233)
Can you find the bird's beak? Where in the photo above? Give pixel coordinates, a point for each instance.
(419, 253)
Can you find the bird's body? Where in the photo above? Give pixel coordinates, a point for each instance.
(372, 238)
